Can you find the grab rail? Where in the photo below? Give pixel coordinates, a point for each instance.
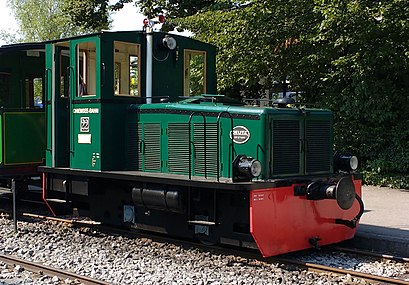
(70, 119)
(190, 142)
(46, 110)
(218, 141)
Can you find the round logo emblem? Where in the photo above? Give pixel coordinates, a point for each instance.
(240, 134)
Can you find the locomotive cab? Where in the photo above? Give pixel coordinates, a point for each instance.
(92, 81)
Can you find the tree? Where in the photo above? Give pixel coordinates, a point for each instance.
(42, 20)
(174, 9)
(7, 36)
(365, 48)
(90, 14)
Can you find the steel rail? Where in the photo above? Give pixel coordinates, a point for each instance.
(62, 220)
(361, 275)
(50, 271)
(370, 253)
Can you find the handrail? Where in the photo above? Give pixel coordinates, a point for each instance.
(74, 89)
(218, 141)
(190, 142)
(45, 100)
(103, 76)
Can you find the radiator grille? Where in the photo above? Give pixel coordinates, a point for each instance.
(318, 146)
(178, 147)
(132, 142)
(152, 143)
(210, 156)
(286, 147)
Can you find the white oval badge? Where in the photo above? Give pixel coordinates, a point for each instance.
(240, 134)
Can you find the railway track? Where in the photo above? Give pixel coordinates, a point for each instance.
(369, 253)
(50, 271)
(248, 254)
(322, 268)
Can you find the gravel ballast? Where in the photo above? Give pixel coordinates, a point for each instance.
(121, 260)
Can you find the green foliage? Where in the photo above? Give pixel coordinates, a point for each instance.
(196, 70)
(400, 181)
(173, 9)
(7, 36)
(42, 20)
(367, 79)
(91, 15)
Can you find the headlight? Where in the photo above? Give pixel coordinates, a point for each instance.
(255, 168)
(345, 162)
(353, 162)
(246, 168)
(169, 43)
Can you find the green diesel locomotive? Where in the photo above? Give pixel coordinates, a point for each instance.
(135, 138)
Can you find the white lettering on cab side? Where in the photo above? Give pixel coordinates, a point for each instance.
(85, 111)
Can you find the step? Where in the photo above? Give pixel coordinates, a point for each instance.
(59, 201)
(202, 223)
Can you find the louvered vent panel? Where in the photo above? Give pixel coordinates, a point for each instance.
(318, 139)
(152, 139)
(205, 162)
(132, 142)
(286, 147)
(178, 148)
(140, 155)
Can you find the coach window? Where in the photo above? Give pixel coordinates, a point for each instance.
(86, 69)
(195, 72)
(34, 92)
(5, 88)
(126, 69)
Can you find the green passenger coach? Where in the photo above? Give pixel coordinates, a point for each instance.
(137, 137)
(22, 120)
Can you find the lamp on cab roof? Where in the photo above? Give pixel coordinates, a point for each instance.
(151, 22)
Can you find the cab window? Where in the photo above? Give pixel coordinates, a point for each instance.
(86, 63)
(195, 75)
(126, 69)
(5, 88)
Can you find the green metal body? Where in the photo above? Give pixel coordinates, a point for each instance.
(22, 136)
(287, 141)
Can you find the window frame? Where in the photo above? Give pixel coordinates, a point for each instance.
(137, 46)
(85, 66)
(186, 66)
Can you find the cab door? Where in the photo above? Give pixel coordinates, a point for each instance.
(57, 104)
(85, 104)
